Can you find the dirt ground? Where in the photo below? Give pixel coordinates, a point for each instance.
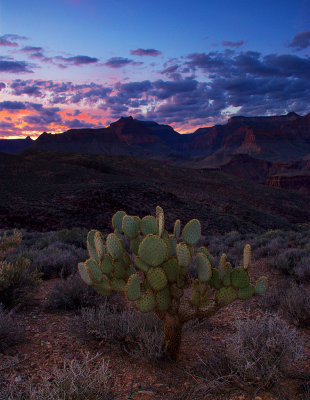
(49, 341)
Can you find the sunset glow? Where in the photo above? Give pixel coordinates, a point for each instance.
(84, 64)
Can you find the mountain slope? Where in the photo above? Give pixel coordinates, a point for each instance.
(50, 190)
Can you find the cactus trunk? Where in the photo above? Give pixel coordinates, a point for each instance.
(172, 335)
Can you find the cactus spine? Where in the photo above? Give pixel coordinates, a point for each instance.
(156, 277)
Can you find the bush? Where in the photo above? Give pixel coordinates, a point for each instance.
(72, 294)
(260, 352)
(295, 304)
(15, 278)
(10, 331)
(293, 262)
(75, 236)
(15, 281)
(58, 258)
(140, 334)
(263, 348)
(77, 380)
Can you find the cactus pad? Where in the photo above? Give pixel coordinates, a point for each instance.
(246, 256)
(226, 295)
(177, 228)
(221, 266)
(118, 284)
(246, 293)
(94, 271)
(192, 232)
(120, 269)
(157, 278)
(84, 273)
(146, 302)
(205, 251)
(227, 274)
(240, 278)
(91, 245)
(203, 267)
(163, 299)
(107, 264)
(160, 223)
(183, 255)
(131, 226)
(173, 244)
(171, 269)
(148, 225)
(134, 244)
(133, 289)
(117, 220)
(114, 246)
(141, 264)
(98, 243)
(152, 250)
(261, 285)
(215, 280)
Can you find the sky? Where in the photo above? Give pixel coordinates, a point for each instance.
(85, 63)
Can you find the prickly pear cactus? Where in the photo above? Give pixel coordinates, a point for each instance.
(153, 270)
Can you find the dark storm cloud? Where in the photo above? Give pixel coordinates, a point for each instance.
(146, 52)
(2, 85)
(17, 67)
(227, 43)
(10, 40)
(119, 62)
(301, 40)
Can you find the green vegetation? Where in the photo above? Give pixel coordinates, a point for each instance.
(15, 278)
(158, 278)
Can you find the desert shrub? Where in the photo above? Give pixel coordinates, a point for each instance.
(260, 352)
(15, 278)
(293, 262)
(87, 379)
(263, 348)
(212, 373)
(140, 334)
(58, 258)
(75, 236)
(10, 330)
(295, 305)
(15, 281)
(72, 294)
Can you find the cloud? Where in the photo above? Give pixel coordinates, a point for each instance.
(76, 60)
(119, 62)
(2, 85)
(17, 67)
(146, 52)
(194, 90)
(227, 43)
(12, 105)
(301, 40)
(10, 40)
(76, 123)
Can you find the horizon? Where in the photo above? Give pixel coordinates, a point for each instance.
(187, 133)
(187, 67)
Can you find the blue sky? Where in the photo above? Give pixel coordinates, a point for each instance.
(186, 63)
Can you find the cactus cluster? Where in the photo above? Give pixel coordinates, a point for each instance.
(154, 271)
